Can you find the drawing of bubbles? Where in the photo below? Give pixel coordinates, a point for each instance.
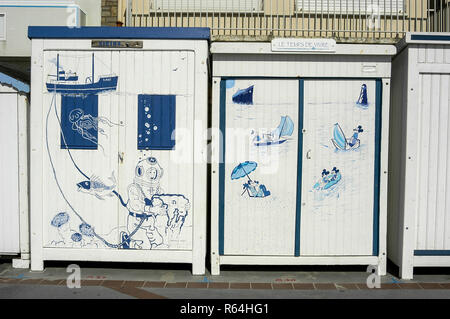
(147, 125)
(155, 128)
(147, 109)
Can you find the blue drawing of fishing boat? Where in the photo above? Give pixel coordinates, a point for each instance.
(278, 136)
(328, 180)
(68, 82)
(244, 96)
(340, 142)
(362, 99)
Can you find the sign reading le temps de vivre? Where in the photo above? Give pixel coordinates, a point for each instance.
(292, 44)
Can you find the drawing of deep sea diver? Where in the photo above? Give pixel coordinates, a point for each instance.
(362, 99)
(278, 136)
(163, 214)
(83, 123)
(96, 187)
(328, 180)
(340, 142)
(252, 188)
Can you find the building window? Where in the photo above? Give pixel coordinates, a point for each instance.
(2, 26)
(156, 122)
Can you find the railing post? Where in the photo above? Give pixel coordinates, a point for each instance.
(128, 14)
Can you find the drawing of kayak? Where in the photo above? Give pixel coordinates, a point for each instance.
(244, 96)
(327, 183)
(68, 83)
(278, 136)
(341, 142)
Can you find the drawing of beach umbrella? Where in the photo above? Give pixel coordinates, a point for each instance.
(243, 169)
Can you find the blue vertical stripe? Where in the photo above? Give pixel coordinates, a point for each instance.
(376, 197)
(78, 114)
(156, 122)
(299, 166)
(222, 167)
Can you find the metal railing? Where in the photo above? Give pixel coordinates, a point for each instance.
(347, 20)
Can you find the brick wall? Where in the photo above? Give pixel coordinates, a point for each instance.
(109, 12)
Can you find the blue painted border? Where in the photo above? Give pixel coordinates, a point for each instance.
(429, 37)
(376, 195)
(57, 32)
(378, 116)
(223, 96)
(431, 252)
(298, 213)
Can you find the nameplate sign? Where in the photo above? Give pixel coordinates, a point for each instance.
(313, 45)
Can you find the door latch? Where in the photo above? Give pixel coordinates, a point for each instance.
(121, 155)
(308, 154)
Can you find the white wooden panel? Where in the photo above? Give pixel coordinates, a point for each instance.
(433, 190)
(352, 6)
(301, 65)
(337, 220)
(266, 225)
(160, 73)
(432, 53)
(61, 176)
(9, 175)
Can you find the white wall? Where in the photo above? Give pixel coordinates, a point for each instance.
(21, 14)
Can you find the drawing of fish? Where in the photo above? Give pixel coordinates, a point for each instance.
(96, 187)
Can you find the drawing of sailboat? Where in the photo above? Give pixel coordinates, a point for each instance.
(341, 142)
(68, 82)
(278, 136)
(244, 96)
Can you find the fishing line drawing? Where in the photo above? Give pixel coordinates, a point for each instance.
(252, 187)
(343, 143)
(362, 101)
(244, 96)
(278, 136)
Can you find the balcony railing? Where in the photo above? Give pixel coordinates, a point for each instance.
(346, 20)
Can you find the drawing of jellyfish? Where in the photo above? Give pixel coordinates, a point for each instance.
(362, 99)
(343, 143)
(244, 96)
(252, 187)
(82, 123)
